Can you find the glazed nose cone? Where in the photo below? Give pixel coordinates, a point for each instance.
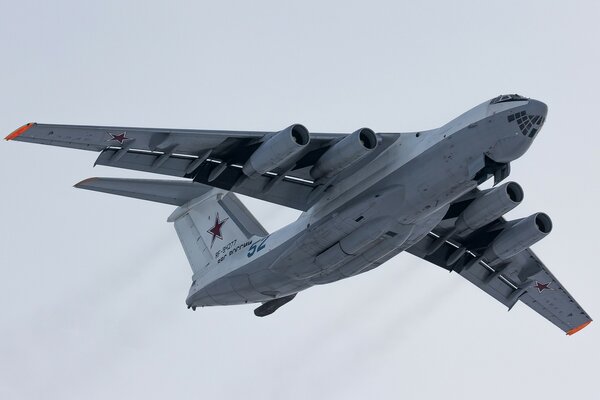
(530, 120)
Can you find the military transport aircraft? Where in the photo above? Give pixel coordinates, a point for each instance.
(365, 197)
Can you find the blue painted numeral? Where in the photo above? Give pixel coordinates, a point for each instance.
(254, 249)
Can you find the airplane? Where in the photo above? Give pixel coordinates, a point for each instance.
(364, 197)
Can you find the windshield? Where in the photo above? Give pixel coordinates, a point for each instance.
(507, 97)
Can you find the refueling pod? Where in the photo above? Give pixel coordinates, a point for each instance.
(345, 153)
(277, 150)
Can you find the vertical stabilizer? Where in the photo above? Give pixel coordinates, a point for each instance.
(211, 227)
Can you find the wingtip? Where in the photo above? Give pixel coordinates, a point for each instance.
(83, 182)
(577, 329)
(18, 132)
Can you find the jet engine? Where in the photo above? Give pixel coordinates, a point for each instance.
(489, 207)
(518, 237)
(277, 150)
(344, 153)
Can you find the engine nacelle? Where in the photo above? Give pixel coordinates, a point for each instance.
(489, 207)
(518, 237)
(344, 153)
(277, 150)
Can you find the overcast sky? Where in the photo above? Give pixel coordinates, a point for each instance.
(93, 286)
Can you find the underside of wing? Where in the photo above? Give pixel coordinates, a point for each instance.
(475, 241)
(291, 167)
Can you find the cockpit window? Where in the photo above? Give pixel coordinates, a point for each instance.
(528, 124)
(507, 97)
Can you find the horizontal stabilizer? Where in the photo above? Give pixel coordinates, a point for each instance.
(175, 192)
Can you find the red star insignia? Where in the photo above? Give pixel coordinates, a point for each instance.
(215, 231)
(542, 286)
(118, 137)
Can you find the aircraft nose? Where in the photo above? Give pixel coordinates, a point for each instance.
(536, 107)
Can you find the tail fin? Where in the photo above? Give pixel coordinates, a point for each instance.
(206, 220)
(211, 226)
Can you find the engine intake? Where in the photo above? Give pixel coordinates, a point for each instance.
(277, 150)
(345, 153)
(518, 237)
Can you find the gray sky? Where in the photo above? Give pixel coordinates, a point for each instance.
(93, 286)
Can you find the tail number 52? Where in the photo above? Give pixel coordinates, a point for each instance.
(257, 247)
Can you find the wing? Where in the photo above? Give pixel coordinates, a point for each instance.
(523, 277)
(211, 157)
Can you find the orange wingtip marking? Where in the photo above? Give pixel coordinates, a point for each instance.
(19, 131)
(580, 327)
